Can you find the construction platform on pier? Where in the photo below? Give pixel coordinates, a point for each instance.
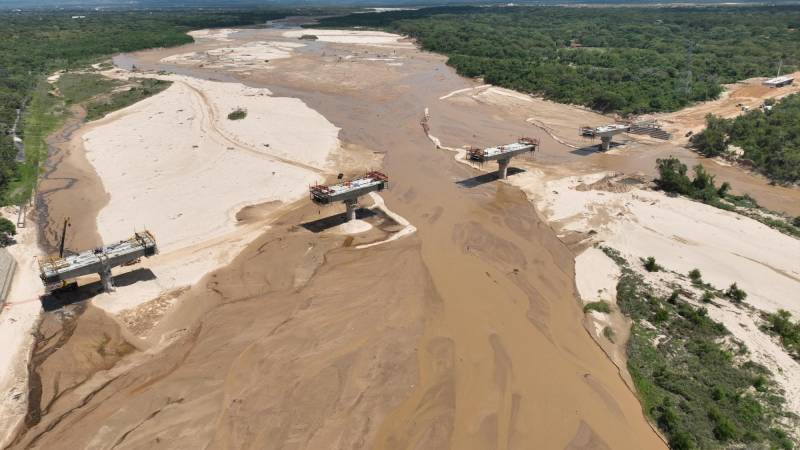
(503, 153)
(349, 191)
(605, 133)
(56, 271)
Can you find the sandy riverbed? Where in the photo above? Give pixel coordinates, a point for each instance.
(467, 333)
(471, 336)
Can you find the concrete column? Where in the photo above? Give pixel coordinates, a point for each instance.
(605, 143)
(502, 169)
(352, 206)
(106, 279)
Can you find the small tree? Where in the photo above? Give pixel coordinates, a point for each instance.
(713, 141)
(696, 276)
(650, 264)
(7, 229)
(724, 189)
(672, 176)
(735, 294)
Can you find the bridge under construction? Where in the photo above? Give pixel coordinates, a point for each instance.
(348, 192)
(57, 271)
(503, 154)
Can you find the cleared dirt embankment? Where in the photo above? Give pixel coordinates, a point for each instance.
(465, 335)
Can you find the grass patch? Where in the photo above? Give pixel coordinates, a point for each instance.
(692, 377)
(44, 114)
(142, 88)
(599, 306)
(80, 87)
(237, 114)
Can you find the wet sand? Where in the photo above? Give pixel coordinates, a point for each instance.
(69, 187)
(466, 335)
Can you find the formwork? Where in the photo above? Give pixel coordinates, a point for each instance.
(349, 190)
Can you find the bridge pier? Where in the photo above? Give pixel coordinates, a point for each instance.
(106, 279)
(605, 143)
(352, 205)
(502, 168)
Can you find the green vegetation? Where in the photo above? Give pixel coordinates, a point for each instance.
(608, 332)
(629, 60)
(237, 114)
(735, 294)
(780, 324)
(650, 265)
(142, 88)
(696, 277)
(693, 378)
(36, 43)
(79, 87)
(43, 115)
(599, 306)
(770, 139)
(672, 178)
(7, 230)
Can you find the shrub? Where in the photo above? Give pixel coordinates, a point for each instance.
(650, 265)
(7, 229)
(237, 114)
(724, 429)
(673, 297)
(672, 176)
(600, 306)
(608, 332)
(735, 294)
(713, 141)
(708, 296)
(696, 276)
(724, 189)
(780, 324)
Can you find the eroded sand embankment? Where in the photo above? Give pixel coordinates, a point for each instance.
(466, 335)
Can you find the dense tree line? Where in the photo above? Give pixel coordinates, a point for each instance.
(36, 43)
(627, 60)
(770, 138)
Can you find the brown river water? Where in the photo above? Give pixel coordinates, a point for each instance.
(465, 335)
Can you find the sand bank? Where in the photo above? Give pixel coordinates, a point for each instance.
(18, 320)
(216, 34)
(682, 235)
(374, 38)
(177, 166)
(251, 55)
(193, 169)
